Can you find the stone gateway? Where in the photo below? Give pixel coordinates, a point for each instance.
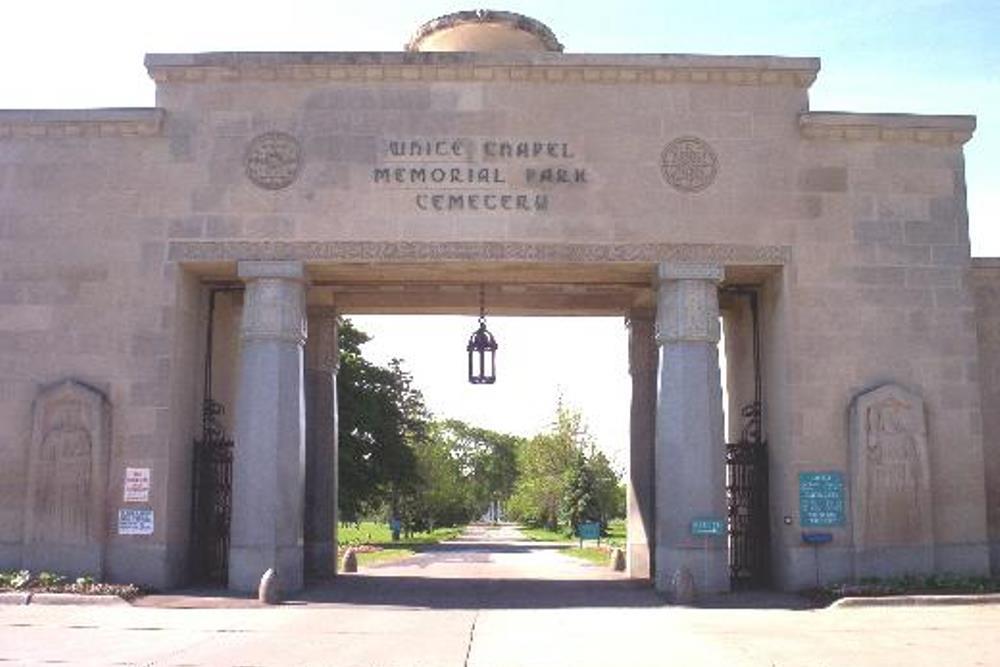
(171, 279)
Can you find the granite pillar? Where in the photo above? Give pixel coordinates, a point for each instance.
(322, 359)
(269, 453)
(690, 444)
(643, 361)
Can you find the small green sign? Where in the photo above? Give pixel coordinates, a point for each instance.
(589, 531)
(708, 527)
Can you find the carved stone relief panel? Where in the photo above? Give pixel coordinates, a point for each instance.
(891, 475)
(273, 160)
(689, 164)
(65, 527)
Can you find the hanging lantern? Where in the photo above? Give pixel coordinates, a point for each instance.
(482, 350)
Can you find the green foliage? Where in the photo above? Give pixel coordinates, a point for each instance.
(595, 555)
(536, 534)
(381, 417)
(376, 533)
(374, 543)
(579, 502)
(563, 479)
(15, 579)
(47, 579)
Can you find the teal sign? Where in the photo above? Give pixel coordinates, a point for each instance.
(589, 531)
(821, 499)
(708, 527)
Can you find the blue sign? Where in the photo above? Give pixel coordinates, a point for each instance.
(589, 531)
(708, 527)
(821, 499)
(817, 538)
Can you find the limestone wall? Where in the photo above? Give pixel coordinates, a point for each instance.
(111, 219)
(985, 279)
(87, 293)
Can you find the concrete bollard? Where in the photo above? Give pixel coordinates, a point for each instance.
(682, 590)
(350, 561)
(617, 560)
(268, 592)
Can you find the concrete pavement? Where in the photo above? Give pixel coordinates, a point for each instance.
(491, 600)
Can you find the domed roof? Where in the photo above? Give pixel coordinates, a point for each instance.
(484, 30)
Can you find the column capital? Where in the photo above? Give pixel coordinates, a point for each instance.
(284, 270)
(687, 303)
(322, 350)
(275, 300)
(690, 271)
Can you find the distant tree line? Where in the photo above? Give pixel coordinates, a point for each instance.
(397, 461)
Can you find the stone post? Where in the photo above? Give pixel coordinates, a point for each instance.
(643, 362)
(690, 444)
(322, 360)
(269, 452)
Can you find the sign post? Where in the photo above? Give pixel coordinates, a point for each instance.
(821, 505)
(707, 528)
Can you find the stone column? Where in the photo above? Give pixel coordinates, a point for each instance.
(690, 444)
(269, 452)
(643, 362)
(322, 361)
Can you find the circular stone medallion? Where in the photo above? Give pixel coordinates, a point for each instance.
(273, 160)
(689, 164)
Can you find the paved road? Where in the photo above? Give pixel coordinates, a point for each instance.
(491, 600)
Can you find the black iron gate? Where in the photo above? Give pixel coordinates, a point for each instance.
(746, 497)
(211, 507)
(747, 481)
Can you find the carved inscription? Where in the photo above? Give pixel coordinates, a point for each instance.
(478, 175)
(67, 479)
(891, 473)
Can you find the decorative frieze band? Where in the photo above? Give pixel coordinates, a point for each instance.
(843, 126)
(81, 123)
(409, 251)
(537, 68)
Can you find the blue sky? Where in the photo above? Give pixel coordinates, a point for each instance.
(918, 56)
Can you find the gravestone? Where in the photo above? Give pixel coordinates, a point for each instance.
(891, 476)
(65, 523)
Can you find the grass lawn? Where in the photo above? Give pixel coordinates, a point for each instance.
(377, 535)
(591, 552)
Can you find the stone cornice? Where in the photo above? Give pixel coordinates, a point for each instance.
(985, 263)
(138, 122)
(887, 127)
(460, 251)
(551, 68)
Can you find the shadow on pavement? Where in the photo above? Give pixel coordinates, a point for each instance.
(479, 593)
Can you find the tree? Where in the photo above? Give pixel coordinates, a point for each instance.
(564, 480)
(608, 490)
(488, 460)
(580, 501)
(542, 463)
(381, 417)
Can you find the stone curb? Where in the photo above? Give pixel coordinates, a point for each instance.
(59, 599)
(915, 601)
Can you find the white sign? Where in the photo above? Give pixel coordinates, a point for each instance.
(137, 485)
(135, 522)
